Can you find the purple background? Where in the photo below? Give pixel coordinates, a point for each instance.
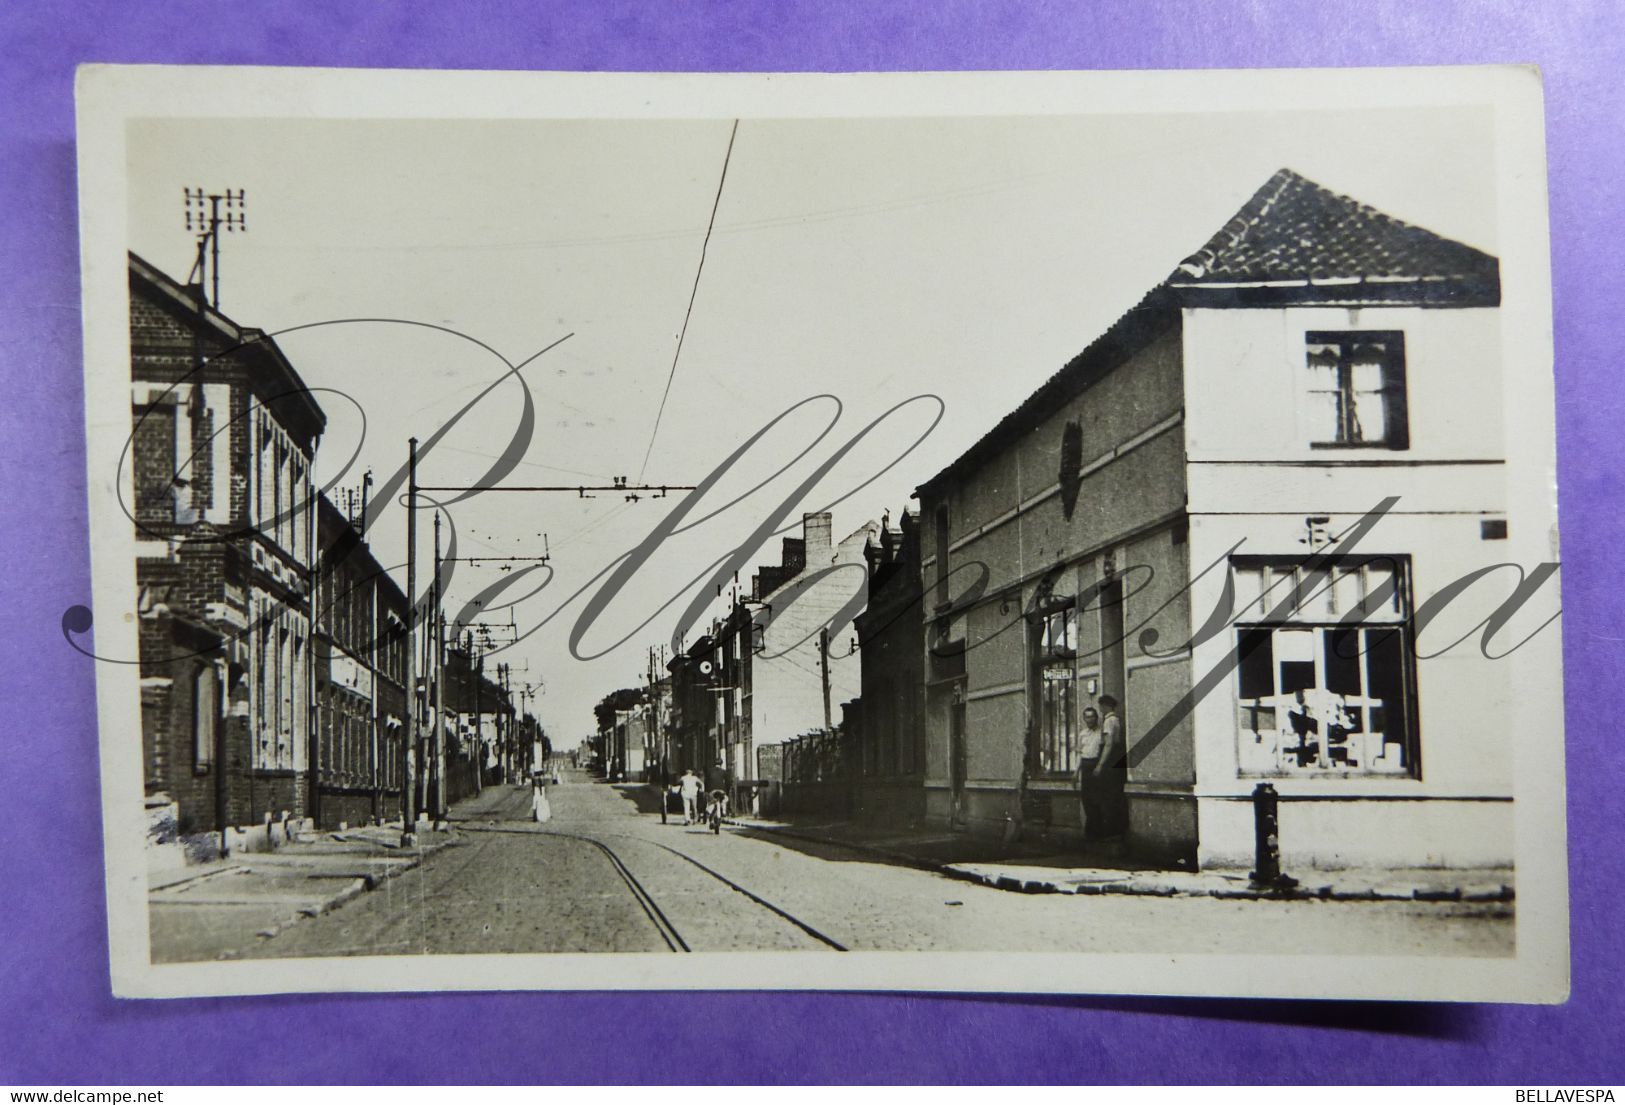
(58, 1023)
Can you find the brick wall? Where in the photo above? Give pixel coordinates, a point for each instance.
(154, 461)
(183, 377)
(339, 807)
(174, 656)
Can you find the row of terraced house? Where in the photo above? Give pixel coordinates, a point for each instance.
(273, 645)
(1315, 364)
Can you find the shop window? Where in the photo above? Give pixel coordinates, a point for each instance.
(1054, 661)
(1325, 675)
(1354, 390)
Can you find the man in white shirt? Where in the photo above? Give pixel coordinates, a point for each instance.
(689, 787)
(1091, 740)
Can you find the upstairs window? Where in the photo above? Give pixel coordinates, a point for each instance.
(1354, 390)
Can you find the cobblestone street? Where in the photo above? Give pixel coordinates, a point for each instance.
(603, 876)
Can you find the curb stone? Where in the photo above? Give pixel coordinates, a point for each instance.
(902, 858)
(358, 886)
(188, 880)
(1239, 891)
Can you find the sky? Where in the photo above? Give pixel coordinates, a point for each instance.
(926, 273)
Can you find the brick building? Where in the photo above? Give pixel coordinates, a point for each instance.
(361, 646)
(712, 681)
(888, 746)
(1313, 358)
(659, 762)
(224, 432)
(476, 715)
(691, 736)
(798, 675)
(621, 718)
(766, 673)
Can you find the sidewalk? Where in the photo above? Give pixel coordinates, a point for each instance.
(1036, 868)
(211, 910)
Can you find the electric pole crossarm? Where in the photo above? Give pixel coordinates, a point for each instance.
(578, 488)
(494, 559)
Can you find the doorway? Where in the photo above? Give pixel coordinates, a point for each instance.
(1113, 698)
(956, 755)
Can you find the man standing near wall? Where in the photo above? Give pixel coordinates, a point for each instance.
(1100, 771)
(1091, 742)
(1110, 772)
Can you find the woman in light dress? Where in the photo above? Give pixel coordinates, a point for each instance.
(540, 810)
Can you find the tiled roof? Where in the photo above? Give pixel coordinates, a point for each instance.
(1293, 243)
(1293, 229)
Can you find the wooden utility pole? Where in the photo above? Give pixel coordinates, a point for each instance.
(426, 730)
(655, 738)
(504, 726)
(438, 800)
(374, 722)
(409, 735)
(512, 726)
(312, 719)
(375, 637)
(477, 668)
(823, 672)
(507, 736)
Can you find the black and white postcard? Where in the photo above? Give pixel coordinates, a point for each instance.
(1068, 532)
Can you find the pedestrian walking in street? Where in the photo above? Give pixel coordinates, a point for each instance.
(689, 787)
(719, 785)
(541, 811)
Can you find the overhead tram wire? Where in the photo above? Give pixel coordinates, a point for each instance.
(693, 292)
(802, 218)
(526, 463)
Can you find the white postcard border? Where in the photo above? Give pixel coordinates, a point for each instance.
(110, 96)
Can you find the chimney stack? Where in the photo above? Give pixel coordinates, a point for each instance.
(817, 530)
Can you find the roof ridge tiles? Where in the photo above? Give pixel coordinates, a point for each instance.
(1293, 242)
(1237, 227)
(1295, 229)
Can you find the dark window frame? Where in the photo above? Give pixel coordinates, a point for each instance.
(205, 726)
(1403, 625)
(1395, 396)
(1042, 656)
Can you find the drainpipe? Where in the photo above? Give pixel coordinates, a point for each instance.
(376, 632)
(222, 710)
(313, 742)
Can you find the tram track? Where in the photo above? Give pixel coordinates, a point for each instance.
(663, 925)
